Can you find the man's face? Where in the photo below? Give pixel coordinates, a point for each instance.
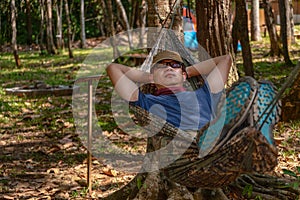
(168, 73)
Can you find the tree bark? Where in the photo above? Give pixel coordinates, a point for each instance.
(283, 11)
(50, 43)
(240, 27)
(291, 102)
(111, 27)
(59, 34)
(125, 19)
(14, 33)
(255, 26)
(69, 29)
(271, 26)
(213, 31)
(41, 43)
(82, 25)
(28, 22)
(293, 40)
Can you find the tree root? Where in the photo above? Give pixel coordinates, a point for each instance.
(265, 186)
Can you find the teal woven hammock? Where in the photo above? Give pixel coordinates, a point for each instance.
(216, 157)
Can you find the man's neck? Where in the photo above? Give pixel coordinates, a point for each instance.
(169, 90)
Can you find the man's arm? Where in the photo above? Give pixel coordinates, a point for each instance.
(216, 70)
(124, 80)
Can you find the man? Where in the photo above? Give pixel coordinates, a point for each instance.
(187, 110)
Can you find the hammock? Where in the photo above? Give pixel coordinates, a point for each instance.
(211, 161)
(215, 157)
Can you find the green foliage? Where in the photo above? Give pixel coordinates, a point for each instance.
(92, 15)
(247, 191)
(295, 184)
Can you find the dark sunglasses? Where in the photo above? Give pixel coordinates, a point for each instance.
(166, 64)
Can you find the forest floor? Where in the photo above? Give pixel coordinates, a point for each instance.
(41, 154)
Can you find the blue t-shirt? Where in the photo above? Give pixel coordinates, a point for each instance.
(187, 110)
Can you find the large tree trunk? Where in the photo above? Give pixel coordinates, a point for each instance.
(255, 26)
(161, 13)
(270, 23)
(14, 32)
(213, 30)
(291, 102)
(240, 27)
(69, 30)
(284, 15)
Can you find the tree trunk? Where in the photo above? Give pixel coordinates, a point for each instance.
(125, 19)
(41, 43)
(293, 40)
(28, 22)
(141, 22)
(82, 25)
(240, 26)
(255, 26)
(50, 42)
(14, 33)
(59, 34)
(271, 26)
(212, 30)
(291, 102)
(69, 30)
(162, 12)
(111, 27)
(283, 7)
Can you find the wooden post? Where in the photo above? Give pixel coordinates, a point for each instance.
(89, 81)
(90, 130)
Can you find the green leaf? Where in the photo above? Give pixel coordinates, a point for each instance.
(296, 185)
(248, 190)
(139, 183)
(289, 172)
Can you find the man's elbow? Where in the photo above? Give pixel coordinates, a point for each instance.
(228, 59)
(109, 68)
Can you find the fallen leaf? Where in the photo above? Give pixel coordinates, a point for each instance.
(109, 172)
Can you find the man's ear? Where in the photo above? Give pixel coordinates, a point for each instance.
(184, 74)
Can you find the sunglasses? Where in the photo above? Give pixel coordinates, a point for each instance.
(166, 64)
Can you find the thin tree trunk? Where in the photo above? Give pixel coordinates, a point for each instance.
(59, 35)
(28, 22)
(283, 4)
(69, 29)
(142, 20)
(255, 26)
(125, 19)
(270, 23)
(41, 44)
(111, 28)
(14, 32)
(50, 43)
(240, 25)
(82, 25)
(134, 13)
(293, 40)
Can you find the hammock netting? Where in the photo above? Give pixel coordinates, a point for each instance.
(238, 140)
